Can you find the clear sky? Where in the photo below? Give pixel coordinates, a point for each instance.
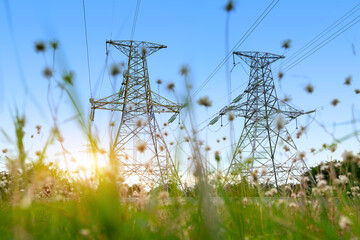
(195, 33)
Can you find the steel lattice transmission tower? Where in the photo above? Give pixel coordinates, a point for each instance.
(265, 118)
(138, 143)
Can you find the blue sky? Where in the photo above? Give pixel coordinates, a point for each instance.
(194, 32)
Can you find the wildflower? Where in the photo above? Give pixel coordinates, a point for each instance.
(54, 44)
(268, 194)
(231, 117)
(321, 184)
(38, 153)
(324, 168)
(112, 124)
(170, 86)
(312, 150)
(4, 151)
(343, 179)
(344, 222)
(187, 139)
(302, 155)
(357, 91)
(159, 81)
(165, 133)
(171, 143)
(348, 80)
(114, 70)
(47, 72)
(309, 88)
(333, 148)
(184, 70)
(280, 123)
(224, 138)
(217, 156)
(84, 232)
(335, 102)
(274, 191)
(204, 101)
(286, 99)
(217, 140)
(298, 134)
(40, 47)
(347, 156)
(263, 171)
(229, 6)
(38, 128)
(301, 194)
(338, 165)
(286, 148)
(292, 205)
(60, 139)
(207, 148)
(141, 146)
(281, 75)
(139, 123)
(286, 44)
(143, 51)
(249, 160)
(316, 191)
(165, 124)
(305, 179)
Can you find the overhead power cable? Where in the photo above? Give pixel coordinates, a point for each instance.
(135, 19)
(239, 43)
(87, 47)
(323, 43)
(320, 35)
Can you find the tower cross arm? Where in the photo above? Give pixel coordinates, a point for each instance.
(112, 102)
(160, 104)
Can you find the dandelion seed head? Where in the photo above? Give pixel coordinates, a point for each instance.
(309, 88)
(47, 73)
(141, 146)
(231, 117)
(348, 156)
(184, 70)
(229, 6)
(286, 44)
(115, 70)
(40, 47)
(205, 101)
(335, 102)
(281, 75)
(344, 222)
(217, 156)
(348, 81)
(170, 86)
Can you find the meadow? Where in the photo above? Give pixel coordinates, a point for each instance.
(40, 200)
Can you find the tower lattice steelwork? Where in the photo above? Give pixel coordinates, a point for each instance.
(265, 118)
(138, 143)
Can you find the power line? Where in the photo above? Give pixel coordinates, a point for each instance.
(323, 43)
(135, 19)
(239, 43)
(320, 35)
(87, 47)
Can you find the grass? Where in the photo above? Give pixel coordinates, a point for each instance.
(40, 201)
